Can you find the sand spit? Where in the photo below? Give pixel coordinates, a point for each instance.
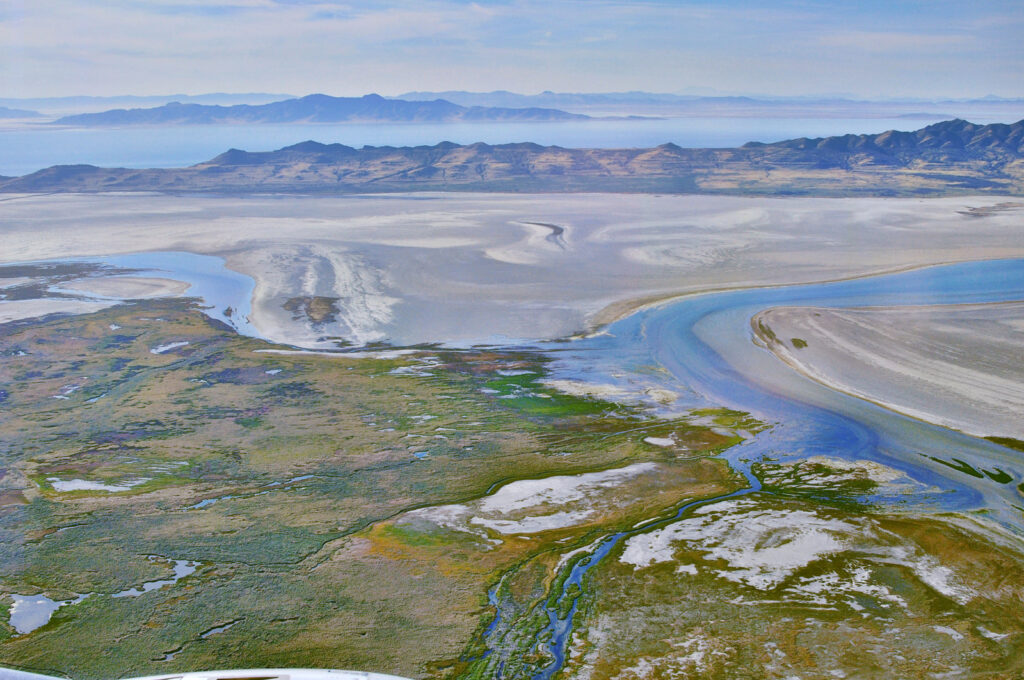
(127, 287)
(961, 366)
(14, 310)
(468, 268)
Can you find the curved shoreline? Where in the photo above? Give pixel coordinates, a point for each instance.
(903, 368)
(622, 309)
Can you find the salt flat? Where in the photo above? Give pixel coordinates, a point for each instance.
(957, 365)
(464, 268)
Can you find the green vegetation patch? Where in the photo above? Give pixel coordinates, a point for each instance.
(279, 475)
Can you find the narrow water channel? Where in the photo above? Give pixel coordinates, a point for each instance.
(706, 344)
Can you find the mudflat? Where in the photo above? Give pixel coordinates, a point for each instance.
(465, 268)
(956, 365)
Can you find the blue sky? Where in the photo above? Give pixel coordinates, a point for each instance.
(933, 48)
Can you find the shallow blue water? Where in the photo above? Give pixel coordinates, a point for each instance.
(702, 340)
(706, 343)
(226, 295)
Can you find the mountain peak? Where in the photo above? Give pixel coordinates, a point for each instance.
(316, 108)
(308, 146)
(969, 157)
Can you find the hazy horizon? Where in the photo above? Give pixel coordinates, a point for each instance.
(440, 92)
(934, 50)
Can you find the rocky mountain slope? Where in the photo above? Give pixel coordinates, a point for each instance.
(949, 157)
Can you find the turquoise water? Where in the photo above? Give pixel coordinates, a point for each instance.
(706, 343)
(31, 148)
(226, 295)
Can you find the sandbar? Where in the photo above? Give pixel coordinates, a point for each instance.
(127, 287)
(14, 310)
(960, 366)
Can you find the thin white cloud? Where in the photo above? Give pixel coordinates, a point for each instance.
(879, 41)
(356, 46)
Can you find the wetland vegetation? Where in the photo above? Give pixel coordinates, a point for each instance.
(290, 483)
(445, 513)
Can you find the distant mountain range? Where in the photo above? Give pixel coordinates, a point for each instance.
(317, 108)
(90, 104)
(659, 104)
(589, 103)
(952, 157)
(17, 113)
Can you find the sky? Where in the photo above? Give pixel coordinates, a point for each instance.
(863, 48)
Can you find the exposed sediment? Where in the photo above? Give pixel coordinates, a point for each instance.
(956, 365)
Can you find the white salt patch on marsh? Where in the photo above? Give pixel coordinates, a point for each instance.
(660, 441)
(939, 577)
(761, 546)
(946, 630)
(383, 354)
(533, 505)
(533, 525)
(985, 632)
(825, 588)
(160, 349)
(87, 485)
(690, 655)
(577, 388)
(558, 490)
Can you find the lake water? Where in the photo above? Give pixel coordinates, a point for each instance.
(28, 148)
(706, 344)
(226, 295)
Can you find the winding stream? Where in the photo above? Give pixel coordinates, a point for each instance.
(706, 344)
